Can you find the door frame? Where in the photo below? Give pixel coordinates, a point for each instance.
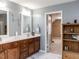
(46, 34)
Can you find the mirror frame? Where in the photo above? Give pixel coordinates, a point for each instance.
(5, 35)
(22, 21)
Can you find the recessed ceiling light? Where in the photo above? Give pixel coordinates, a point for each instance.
(26, 12)
(31, 5)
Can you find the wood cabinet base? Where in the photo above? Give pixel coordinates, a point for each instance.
(20, 49)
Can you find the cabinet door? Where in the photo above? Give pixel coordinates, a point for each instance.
(12, 50)
(31, 46)
(2, 55)
(13, 53)
(37, 44)
(31, 49)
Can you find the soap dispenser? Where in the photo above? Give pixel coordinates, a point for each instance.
(16, 33)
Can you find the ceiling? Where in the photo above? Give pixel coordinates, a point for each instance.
(35, 4)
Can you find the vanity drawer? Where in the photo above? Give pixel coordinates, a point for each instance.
(24, 50)
(31, 41)
(10, 45)
(24, 44)
(24, 41)
(24, 55)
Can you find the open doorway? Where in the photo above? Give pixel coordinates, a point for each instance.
(54, 31)
(56, 44)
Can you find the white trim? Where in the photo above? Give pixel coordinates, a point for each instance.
(7, 23)
(42, 51)
(46, 26)
(45, 34)
(53, 12)
(62, 33)
(21, 24)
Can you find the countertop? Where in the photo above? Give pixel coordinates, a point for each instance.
(17, 38)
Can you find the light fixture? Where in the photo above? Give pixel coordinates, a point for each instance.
(31, 5)
(2, 4)
(26, 12)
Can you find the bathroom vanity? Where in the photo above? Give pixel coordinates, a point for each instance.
(16, 40)
(21, 48)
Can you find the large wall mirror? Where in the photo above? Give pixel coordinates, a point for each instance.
(12, 23)
(3, 22)
(26, 23)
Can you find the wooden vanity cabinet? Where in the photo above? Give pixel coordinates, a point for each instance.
(29, 47)
(2, 53)
(20, 49)
(12, 50)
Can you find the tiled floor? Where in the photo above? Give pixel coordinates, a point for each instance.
(56, 47)
(41, 55)
(55, 52)
(36, 56)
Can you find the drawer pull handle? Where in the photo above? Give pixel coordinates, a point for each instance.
(24, 45)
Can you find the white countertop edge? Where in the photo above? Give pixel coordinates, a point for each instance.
(17, 38)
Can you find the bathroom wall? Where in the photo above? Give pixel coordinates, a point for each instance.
(70, 12)
(14, 16)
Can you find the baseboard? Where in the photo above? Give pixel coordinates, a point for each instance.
(42, 51)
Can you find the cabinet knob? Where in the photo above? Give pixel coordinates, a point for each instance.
(24, 55)
(24, 42)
